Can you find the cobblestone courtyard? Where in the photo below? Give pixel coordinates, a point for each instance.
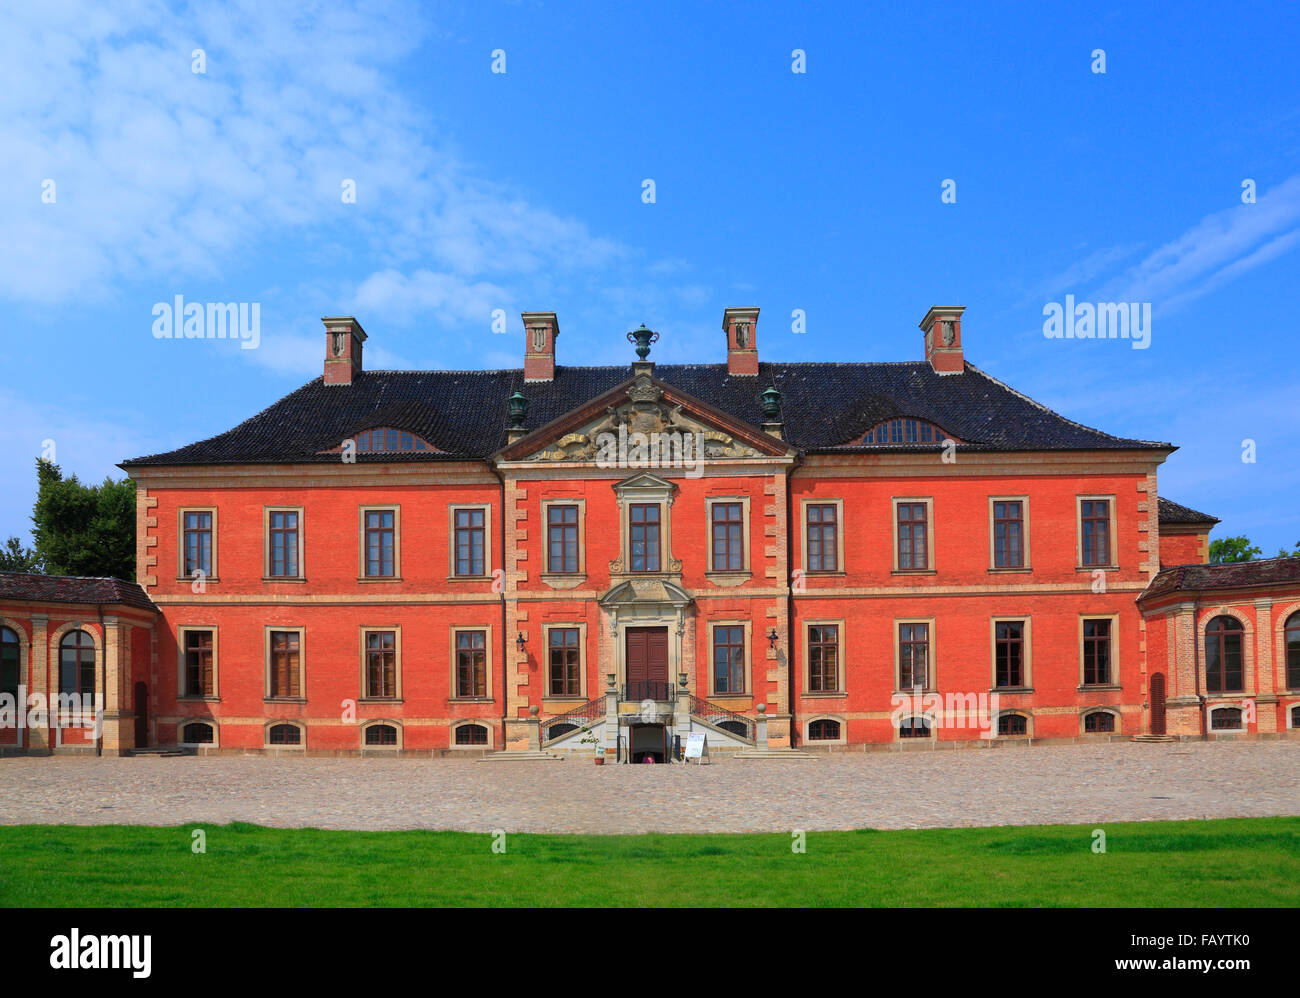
(1031, 785)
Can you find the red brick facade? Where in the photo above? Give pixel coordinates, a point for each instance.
(391, 591)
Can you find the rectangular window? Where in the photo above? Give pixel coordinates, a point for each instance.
(1094, 523)
(729, 659)
(565, 653)
(912, 554)
(728, 531)
(1096, 652)
(471, 663)
(197, 543)
(644, 539)
(823, 658)
(380, 543)
(282, 526)
(469, 542)
(381, 664)
(913, 656)
(286, 664)
(199, 674)
(823, 539)
(1009, 654)
(1008, 535)
(562, 539)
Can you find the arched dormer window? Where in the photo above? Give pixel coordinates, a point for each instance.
(905, 431)
(387, 440)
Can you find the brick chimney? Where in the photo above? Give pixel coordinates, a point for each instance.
(741, 327)
(541, 330)
(942, 326)
(343, 339)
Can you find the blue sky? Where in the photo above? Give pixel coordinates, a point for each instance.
(522, 191)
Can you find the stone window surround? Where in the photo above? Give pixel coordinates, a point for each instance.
(747, 665)
(1027, 647)
(724, 575)
(547, 696)
(928, 502)
(211, 722)
(1024, 536)
(292, 722)
(396, 510)
(396, 630)
(1112, 711)
(653, 491)
(301, 631)
(1115, 682)
(841, 740)
(931, 679)
(181, 631)
(461, 722)
(564, 580)
(266, 544)
(841, 690)
(1112, 531)
(489, 692)
(1248, 686)
(212, 576)
(838, 503)
(372, 722)
(452, 510)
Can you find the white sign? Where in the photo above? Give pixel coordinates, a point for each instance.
(697, 746)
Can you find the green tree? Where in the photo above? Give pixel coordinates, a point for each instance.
(1230, 549)
(1284, 553)
(15, 557)
(84, 529)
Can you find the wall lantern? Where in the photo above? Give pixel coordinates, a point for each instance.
(772, 638)
(521, 642)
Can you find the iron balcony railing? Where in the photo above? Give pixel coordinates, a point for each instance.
(649, 689)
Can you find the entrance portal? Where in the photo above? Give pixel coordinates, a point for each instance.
(648, 740)
(647, 664)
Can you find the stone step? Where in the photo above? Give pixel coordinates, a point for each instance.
(1154, 738)
(788, 755)
(524, 756)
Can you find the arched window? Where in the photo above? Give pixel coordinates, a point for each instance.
(385, 439)
(381, 734)
(1013, 724)
(197, 733)
(824, 730)
(284, 734)
(736, 728)
(1293, 651)
(914, 727)
(1225, 719)
(1295, 716)
(77, 664)
(472, 734)
(904, 431)
(1223, 655)
(556, 730)
(10, 662)
(1098, 722)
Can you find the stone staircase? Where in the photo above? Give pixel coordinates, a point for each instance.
(1154, 738)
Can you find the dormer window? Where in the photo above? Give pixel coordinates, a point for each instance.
(905, 431)
(385, 439)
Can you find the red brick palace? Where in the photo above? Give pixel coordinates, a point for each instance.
(556, 558)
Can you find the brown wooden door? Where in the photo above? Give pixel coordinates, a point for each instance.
(140, 707)
(1158, 703)
(647, 663)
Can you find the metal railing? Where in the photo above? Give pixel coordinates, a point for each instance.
(720, 717)
(588, 714)
(649, 689)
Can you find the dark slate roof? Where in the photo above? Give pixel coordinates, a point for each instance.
(1172, 512)
(825, 407)
(73, 589)
(1234, 575)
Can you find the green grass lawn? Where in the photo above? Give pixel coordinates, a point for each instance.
(1227, 863)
